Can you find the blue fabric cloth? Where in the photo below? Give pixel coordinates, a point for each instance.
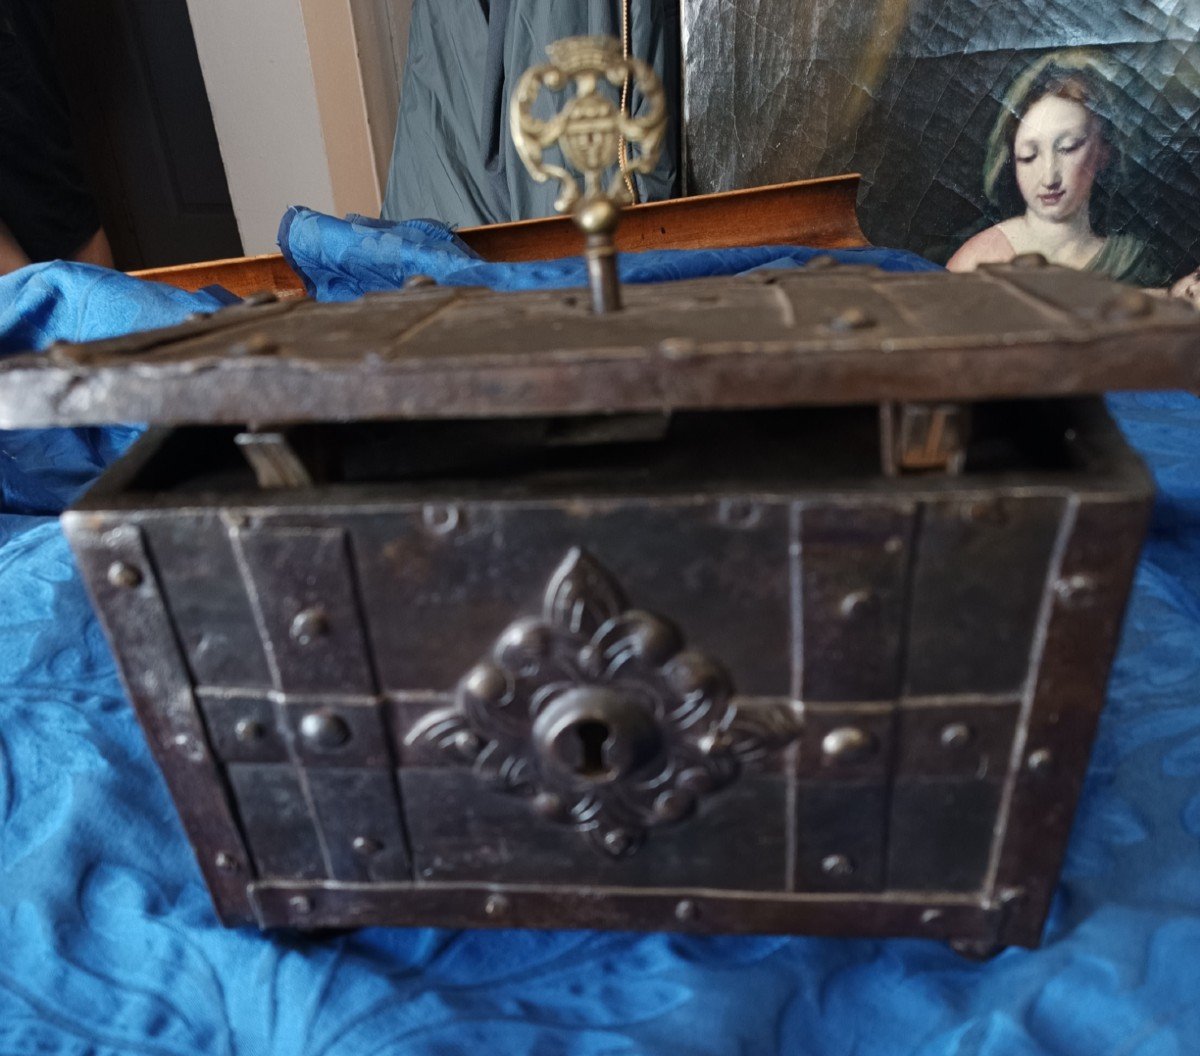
(340, 260)
(108, 943)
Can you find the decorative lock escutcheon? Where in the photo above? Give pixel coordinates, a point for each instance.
(600, 715)
(596, 734)
(594, 134)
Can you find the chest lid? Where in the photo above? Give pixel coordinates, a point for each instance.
(819, 335)
(814, 336)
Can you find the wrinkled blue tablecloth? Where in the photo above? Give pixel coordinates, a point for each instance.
(108, 943)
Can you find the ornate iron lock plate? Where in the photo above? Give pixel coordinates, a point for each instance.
(601, 715)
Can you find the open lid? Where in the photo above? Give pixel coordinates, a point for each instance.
(818, 335)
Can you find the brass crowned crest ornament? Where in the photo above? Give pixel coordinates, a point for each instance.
(592, 131)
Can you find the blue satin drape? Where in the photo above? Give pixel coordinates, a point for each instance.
(108, 944)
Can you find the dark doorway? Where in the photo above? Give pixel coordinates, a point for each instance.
(145, 130)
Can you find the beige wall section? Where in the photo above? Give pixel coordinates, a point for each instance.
(255, 58)
(381, 28)
(304, 96)
(333, 45)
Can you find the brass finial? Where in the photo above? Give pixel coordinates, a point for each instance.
(589, 130)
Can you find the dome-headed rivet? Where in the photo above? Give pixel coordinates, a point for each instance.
(956, 735)
(248, 731)
(124, 575)
(324, 729)
(366, 845)
(254, 345)
(714, 742)
(686, 911)
(617, 841)
(855, 603)
(549, 805)
(309, 625)
(468, 744)
(1075, 589)
(848, 744)
(496, 906)
(851, 319)
(838, 866)
(1041, 761)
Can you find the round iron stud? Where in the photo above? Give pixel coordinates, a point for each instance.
(855, 603)
(496, 906)
(686, 911)
(550, 806)
(617, 842)
(847, 745)
(956, 735)
(1041, 762)
(851, 319)
(838, 866)
(309, 625)
(248, 731)
(366, 845)
(226, 862)
(324, 730)
(715, 742)
(300, 905)
(254, 345)
(1073, 590)
(468, 744)
(123, 575)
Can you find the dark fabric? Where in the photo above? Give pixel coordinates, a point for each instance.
(454, 157)
(43, 199)
(495, 128)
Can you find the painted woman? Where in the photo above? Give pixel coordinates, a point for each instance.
(1054, 159)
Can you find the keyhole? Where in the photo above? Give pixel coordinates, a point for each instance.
(592, 736)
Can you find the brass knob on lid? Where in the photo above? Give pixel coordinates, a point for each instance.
(592, 132)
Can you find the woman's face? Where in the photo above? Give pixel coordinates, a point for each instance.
(1057, 153)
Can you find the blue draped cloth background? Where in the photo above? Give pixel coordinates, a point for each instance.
(108, 943)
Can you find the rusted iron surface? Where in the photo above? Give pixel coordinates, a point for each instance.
(722, 674)
(816, 336)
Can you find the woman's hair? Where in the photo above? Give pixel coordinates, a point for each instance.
(1076, 75)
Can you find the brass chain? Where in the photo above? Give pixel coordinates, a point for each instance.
(622, 156)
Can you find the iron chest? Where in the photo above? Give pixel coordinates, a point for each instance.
(780, 603)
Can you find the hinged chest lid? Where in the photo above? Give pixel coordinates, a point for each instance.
(819, 335)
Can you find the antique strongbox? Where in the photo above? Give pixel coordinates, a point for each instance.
(654, 620)
(775, 603)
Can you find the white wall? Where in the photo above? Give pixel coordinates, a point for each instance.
(304, 96)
